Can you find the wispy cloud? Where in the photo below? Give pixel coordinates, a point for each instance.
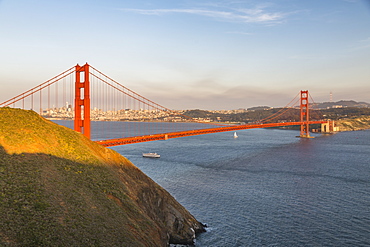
(360, 45)
(254, 15)
(239, 32)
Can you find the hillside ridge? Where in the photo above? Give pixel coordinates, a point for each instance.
(353, 124)
(58, 188)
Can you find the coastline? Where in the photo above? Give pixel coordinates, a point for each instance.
(361, 123)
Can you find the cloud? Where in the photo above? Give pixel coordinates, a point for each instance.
(240, 32)
(255, 15)
(360, 45)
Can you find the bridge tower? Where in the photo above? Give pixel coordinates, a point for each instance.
(82, 100)
(305, 115)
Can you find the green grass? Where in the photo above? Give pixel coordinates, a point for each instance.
(56, 189)
(48, 201)
(25, 131)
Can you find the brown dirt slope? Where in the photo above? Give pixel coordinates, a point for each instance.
(57, 188)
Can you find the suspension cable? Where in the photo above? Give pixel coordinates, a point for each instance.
(278, 113)
(40, 86)
(142, 99)
(37, 88)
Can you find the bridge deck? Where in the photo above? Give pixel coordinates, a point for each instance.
(165, 136)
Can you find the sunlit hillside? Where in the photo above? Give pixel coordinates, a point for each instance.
(57, 188)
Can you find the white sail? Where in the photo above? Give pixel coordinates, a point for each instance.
(235, 135)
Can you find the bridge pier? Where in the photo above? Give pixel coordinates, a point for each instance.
(329, 127)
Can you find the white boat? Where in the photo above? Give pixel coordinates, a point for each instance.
(151, 155)
(235, 135)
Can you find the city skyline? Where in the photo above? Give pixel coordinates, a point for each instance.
(194, 54)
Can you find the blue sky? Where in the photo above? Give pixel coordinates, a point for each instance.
(190, 54)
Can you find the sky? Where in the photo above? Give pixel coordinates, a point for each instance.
(193, 54)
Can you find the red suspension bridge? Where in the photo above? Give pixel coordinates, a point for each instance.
(85, 96)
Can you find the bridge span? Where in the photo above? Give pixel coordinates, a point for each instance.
(97, 96)
(166, 136)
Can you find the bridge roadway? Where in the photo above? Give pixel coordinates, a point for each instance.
(165, 136)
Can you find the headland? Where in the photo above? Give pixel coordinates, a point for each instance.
(58, 188)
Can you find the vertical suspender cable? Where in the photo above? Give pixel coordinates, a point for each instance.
(124, 120)
(92, 104)
(49, 97)
(130, 114)
(64, 92)
(147, 117)
(104, 104)
(56, 95)
(40, 103)
(72, 96)
(32, 100)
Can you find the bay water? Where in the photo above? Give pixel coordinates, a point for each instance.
(267, 187)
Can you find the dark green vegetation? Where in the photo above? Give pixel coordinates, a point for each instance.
(249, 116)
(342, 113)
(291, 114)
(57, 188)
(341, 103)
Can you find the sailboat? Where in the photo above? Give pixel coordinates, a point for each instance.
(235, 135)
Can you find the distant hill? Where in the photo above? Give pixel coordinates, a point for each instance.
(341, 104)
(60, 189)
(350, 124)
(259, 108)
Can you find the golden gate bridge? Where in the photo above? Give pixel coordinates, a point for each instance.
(97, 97)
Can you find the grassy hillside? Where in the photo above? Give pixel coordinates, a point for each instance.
(57, 188)
(361, 123)
(24, 131)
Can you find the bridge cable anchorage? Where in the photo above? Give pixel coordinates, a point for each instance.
(329, 126)
(87, 97)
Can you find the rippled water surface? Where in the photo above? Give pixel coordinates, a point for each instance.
(267, 187)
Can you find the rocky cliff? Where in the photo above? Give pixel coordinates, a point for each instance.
(57, 188)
